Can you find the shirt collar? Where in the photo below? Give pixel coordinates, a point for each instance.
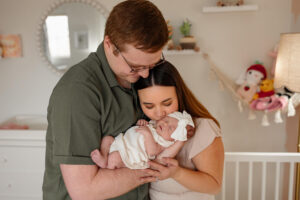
(109, 74)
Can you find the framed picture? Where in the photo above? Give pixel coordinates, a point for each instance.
(11, 46)
(81, 40)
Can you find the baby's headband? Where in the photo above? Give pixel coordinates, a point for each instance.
(184, 119)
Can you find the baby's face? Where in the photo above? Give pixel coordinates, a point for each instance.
(166, 126)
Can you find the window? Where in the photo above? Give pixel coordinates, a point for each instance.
(58, 36)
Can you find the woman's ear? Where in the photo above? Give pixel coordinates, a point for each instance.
(190, 131)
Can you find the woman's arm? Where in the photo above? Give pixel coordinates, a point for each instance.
(209, 163)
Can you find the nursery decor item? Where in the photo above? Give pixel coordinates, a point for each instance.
(230, 2)
(187, 41)
(273, 55)
(170, 44)
(11, 46)
(284, 101)
(250, 80)
(296, 9)
(266, 89)
(287, 74)
(1, 51)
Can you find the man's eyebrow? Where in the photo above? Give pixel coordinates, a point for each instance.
(138, 66)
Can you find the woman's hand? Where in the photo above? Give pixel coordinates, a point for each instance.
(142, 122)
(171, 168)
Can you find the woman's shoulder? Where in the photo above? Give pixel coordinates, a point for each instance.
(206, 126)
(205, 133)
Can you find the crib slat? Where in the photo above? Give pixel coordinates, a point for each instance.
(277, 175)
(237, 173)
(263, 186)
(223, 183)
(292, 166)
(250, 172)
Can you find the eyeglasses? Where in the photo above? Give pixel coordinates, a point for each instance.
(135, 69)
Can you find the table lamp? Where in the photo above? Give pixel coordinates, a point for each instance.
(287, 74)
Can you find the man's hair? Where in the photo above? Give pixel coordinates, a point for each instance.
(137, 22)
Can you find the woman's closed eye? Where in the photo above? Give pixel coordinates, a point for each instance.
(167, 103)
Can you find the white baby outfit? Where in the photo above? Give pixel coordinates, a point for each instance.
(131, 145)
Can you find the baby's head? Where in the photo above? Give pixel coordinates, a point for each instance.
(175, 126)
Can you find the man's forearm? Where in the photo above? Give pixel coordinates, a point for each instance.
(112, 183)
(91, 183)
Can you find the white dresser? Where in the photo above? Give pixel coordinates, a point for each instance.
(22, 157)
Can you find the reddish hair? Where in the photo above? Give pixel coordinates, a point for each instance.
(137, 22)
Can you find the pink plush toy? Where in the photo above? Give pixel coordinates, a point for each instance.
(249, 81)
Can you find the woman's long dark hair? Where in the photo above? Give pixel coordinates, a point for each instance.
(167, 75)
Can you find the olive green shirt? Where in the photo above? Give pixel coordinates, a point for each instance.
(86, 104)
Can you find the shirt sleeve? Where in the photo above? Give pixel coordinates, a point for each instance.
(206, 131)
(75, 124)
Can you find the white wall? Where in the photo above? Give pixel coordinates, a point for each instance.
(234, 41)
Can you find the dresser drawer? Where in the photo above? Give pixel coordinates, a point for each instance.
(21, 183)
(25, 158)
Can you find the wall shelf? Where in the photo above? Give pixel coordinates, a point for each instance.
(181, 52)
(242, 8)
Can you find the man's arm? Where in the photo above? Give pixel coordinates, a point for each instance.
(89, 182)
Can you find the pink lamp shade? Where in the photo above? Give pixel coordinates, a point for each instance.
(287, 71)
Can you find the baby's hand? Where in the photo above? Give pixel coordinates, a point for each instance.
(142, 122)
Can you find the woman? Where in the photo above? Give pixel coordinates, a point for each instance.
(197, 171)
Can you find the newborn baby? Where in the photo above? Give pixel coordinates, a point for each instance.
(140, 144)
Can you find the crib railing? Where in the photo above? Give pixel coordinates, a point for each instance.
(259, 175)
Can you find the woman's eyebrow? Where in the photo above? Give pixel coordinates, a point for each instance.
(168, 99)
(146, 103)
(163, 101)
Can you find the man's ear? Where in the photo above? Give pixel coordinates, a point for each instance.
(190, 131)
(107, 41)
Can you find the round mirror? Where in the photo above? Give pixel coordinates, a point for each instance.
(69, 31)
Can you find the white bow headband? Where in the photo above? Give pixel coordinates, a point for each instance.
(184, 119)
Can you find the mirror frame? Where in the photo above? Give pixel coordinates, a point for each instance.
(95, 4)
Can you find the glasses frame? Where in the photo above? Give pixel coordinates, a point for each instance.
(142, 68)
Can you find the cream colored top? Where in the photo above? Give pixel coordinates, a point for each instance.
(206, 131)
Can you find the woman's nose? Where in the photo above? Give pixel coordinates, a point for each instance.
(160, 113)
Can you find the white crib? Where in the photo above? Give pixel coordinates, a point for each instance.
(258, 175)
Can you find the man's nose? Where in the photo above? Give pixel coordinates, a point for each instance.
(144, 73)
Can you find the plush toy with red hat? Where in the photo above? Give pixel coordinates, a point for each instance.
(249, 81)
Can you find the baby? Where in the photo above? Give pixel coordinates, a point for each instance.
(140, 144)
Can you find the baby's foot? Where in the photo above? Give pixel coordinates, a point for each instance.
(98, 158)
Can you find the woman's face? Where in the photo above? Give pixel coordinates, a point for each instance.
(158, 101)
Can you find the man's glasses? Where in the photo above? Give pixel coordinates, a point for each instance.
(135, 69)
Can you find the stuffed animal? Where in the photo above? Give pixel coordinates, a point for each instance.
(266, 89)
(249, 81)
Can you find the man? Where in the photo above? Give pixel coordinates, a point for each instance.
(94, 99)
